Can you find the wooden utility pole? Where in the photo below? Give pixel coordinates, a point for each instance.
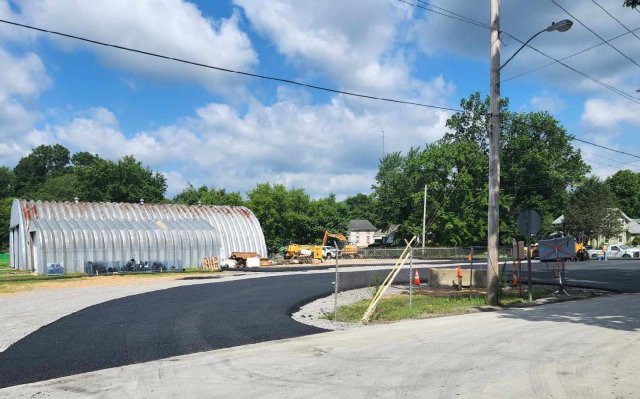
(424, 217)
(494, 158)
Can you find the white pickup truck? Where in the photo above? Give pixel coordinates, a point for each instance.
(622, 251)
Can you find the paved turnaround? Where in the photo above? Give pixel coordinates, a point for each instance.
(578, 349)
(162, 324)
(185, 320)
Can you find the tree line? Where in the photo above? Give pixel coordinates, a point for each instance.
(540, 170)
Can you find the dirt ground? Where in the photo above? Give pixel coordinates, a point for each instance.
(12, 288)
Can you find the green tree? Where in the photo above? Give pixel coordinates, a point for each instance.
(631, 3)
(625, 186)
(5, 216)
(7, 182)
(455, 173)
(538, 166)
(58, 188)
(84, 158)
(591, 211)
(45, 161)
(208, 196)
(123, 181)
(327, 214)
(362, 206)
(283, 214)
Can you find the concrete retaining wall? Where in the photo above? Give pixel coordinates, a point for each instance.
(447, 277)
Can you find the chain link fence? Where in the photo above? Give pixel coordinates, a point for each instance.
(359, 279)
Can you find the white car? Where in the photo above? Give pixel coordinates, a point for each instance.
(623, 251)
(329, 252)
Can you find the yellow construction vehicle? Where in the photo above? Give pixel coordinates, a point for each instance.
(303, 253)
(347, 250)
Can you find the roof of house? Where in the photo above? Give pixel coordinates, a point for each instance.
(633, 227)
(626, 218)
(361, 225)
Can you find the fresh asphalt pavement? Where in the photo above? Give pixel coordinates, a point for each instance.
(185, 320)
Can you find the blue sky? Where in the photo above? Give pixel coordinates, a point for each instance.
(210, 127)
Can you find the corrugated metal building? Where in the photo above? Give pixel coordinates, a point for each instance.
(57, 237)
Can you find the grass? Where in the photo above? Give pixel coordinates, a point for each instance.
(426, 304)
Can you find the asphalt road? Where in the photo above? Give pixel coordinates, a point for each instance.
(204, 317)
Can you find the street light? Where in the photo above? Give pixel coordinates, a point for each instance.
(494, 144)
(561, 26)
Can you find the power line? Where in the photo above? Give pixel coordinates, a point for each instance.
(597, 35)
(573, 138)
(609, 14)
(569, 56)
(462, 18)
(249, 74)
(606, 148)
(591, 78)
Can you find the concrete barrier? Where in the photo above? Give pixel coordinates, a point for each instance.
(447, 277)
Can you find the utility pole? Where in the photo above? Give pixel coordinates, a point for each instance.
(494, 158)
(424, 217)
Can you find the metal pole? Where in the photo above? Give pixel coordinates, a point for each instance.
(335, 289)
(529, 257)
(424, 218)
(411, 278)
(471, 272)
(494, 159)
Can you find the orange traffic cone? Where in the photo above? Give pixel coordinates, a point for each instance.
(416, 278)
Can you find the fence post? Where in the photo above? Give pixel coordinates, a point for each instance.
(471, 272)
(335, 289)
(411, 279)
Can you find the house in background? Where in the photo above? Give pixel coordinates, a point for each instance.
(361, 232)
(386, 237)
(630, 230)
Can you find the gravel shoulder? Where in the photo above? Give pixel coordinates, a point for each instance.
(314, 313)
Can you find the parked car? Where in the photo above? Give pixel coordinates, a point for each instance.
(594, 253)
(623, 251)
(329, 252)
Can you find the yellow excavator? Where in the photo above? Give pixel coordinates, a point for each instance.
(346, 250)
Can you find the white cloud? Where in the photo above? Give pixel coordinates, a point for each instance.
(600, 113)
(551, 103)
(172, 27)
(332, 147)
(348, 41)
(21, 82)
(443, 36)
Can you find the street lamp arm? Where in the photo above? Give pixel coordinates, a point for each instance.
(521, 47)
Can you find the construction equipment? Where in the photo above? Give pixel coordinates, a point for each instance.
(347, 250)
(303, 253)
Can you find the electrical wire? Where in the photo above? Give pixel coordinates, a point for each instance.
(461, 18)
(591, 78)
(292, 81)
(567, 57)
(597, 35)
(616, 19)
(228, 70)
(606, 148)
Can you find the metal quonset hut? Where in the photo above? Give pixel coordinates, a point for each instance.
(67, 237)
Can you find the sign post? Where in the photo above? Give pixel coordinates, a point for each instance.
(528, 225)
